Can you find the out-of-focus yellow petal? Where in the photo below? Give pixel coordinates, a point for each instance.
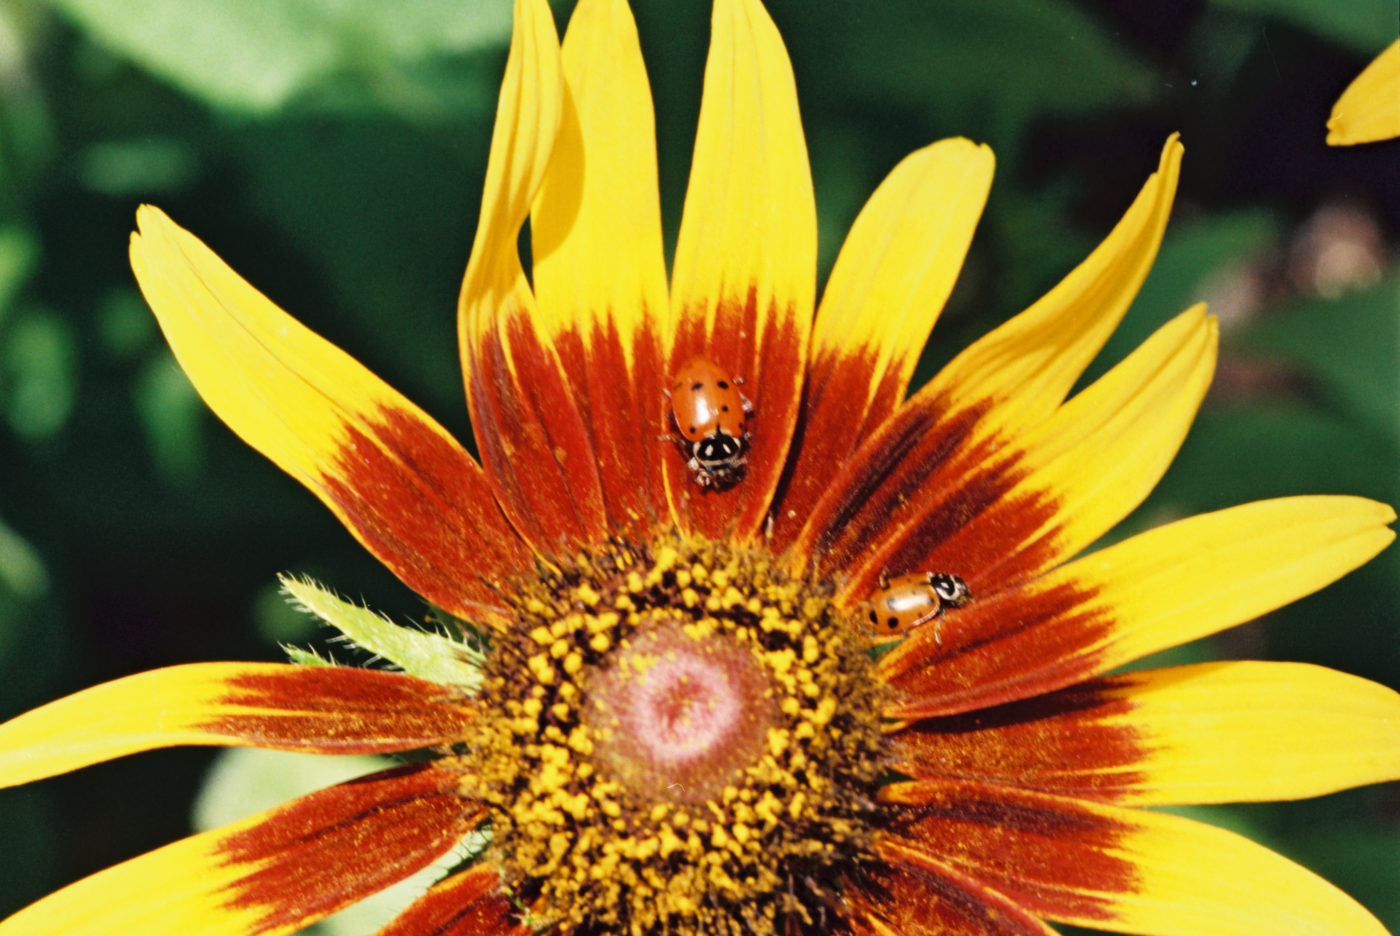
(401, 484)
(1369, 109)
(323, 710)
(1234, 732)
(599, 266)
(596, 224)
(1125, 870)
(270, 874)
(1027, 366)
(534, 443)
(746, 259)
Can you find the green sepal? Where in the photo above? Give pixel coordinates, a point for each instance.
(418, 653)
(306, 657)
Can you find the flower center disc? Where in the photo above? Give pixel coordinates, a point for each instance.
(683, 740)
(676, 716)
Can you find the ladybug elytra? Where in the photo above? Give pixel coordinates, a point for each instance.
(710, 414)
(909, 601)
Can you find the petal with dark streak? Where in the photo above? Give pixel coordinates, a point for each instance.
(398, 481)
(315, 709)
(745, 269)
(916, 894)
(270, 874)
(599, 267)
(469, 903)
(1058, 487)
(534, 444)
(1212, 733)
(894, 273)
(1121, 869)
(1158, 589)
(1012, 379)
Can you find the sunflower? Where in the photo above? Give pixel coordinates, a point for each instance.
(782, 652)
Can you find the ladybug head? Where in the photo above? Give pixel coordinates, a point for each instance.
(717, 452)
(950, 589)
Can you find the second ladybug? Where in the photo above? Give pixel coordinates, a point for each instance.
(710, 414)
(909, 601)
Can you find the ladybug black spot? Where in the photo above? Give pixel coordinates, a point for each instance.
(698, 385)
(892, 623)
(724, 385)
(724, 409)
(874, 617)
(693, 429)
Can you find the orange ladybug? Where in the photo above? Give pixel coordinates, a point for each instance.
(909, 601)
(711, 416)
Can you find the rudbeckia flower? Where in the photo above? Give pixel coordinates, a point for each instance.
(1369, 109)
(859, 681)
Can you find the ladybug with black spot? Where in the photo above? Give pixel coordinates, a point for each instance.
(711, 416)
(909, 601)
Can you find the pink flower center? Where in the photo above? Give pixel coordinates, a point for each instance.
(676, 716)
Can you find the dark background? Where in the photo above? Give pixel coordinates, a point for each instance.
(333, 151)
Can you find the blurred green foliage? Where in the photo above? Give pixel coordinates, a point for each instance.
(332, 151)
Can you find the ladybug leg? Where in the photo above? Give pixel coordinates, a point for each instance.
(748, 404)
(884, 579)
(936, 618)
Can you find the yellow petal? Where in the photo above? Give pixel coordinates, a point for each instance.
(324, 710)
(596, 224)
(270, 874)
(750, 223)
(745, 267)
(1197, 576)
(1158, 589)
(885, 292)
(1197, 880)
(401, 484)
(1120, 869)
(527, 123)
(1211, 733)
(1234, 732)
(532, 437)
(599, 267)
(1106, 449)
(1075, 475)
(899, 263)
(1026, 367)
(1369, 109)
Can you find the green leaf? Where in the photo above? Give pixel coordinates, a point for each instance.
(1014, 55)
(40, 365)
(19, 251)
(1366, 25)
(255, 56)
